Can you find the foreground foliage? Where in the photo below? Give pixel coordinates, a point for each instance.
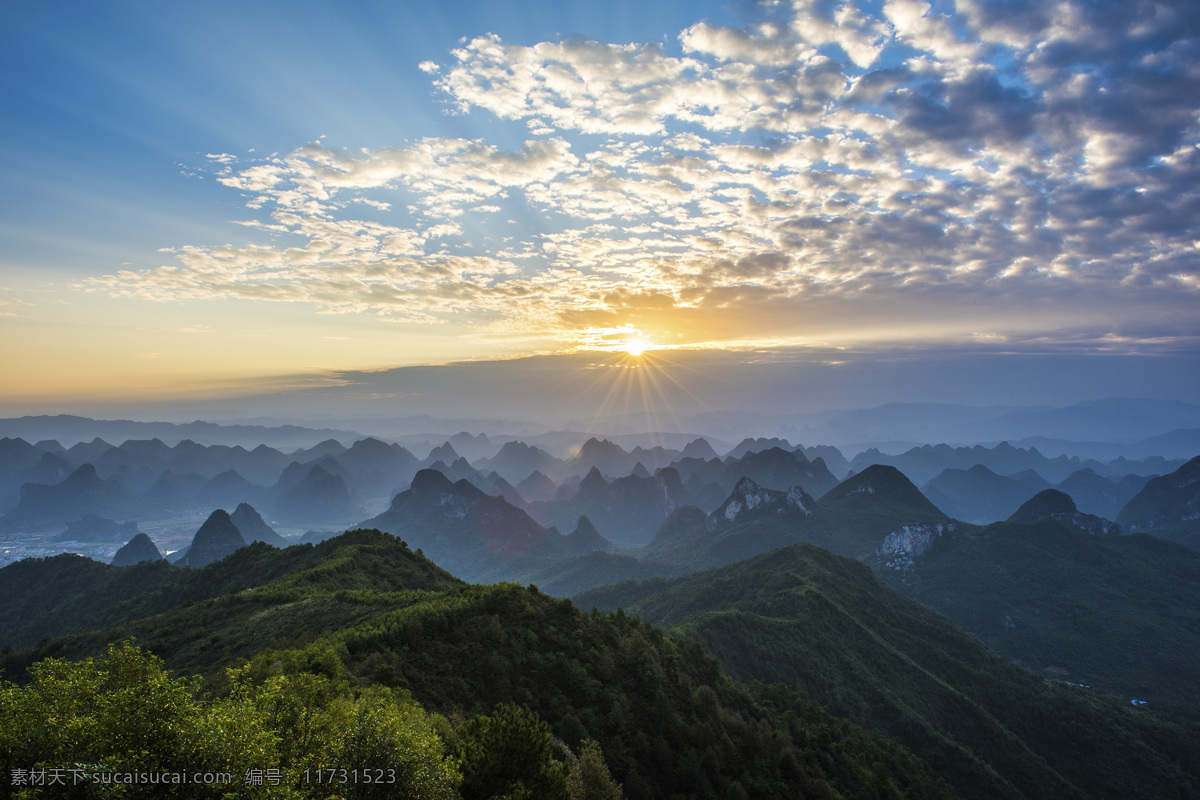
(122, 715)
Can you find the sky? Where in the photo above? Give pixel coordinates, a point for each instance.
(205, 201)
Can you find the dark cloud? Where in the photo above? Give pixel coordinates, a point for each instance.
(974, 109)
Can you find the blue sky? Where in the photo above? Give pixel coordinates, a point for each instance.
(201, 198)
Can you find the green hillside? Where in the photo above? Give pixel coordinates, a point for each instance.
(1118, 613)
(824, 627)
(361, 614)
(68, 593)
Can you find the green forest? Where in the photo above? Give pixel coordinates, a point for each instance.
(358, 668)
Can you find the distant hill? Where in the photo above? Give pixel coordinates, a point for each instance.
(319, 498)
(93, 528)
(473, 534)
(979, 495)
(752, 520)
(82, 492)
(217, 538)
(853, 519)
(922, 464)
(138, 549)
(627, 511)
(776, 468)
(1104, 497)
(67, 428)
(1114, 421)
(1060, 507)
(1168, 506)
(516, 461)
(254, 528)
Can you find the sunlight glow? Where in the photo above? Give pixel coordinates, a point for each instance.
(623, 339)
(635, 347)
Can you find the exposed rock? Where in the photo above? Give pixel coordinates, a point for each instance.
(748, 496)
(903, 545)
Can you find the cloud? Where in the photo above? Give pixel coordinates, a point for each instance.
(831, 168)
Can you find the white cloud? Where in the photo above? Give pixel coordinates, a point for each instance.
(829, 156)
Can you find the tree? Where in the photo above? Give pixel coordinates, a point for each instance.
(590, 779)
(508, 755)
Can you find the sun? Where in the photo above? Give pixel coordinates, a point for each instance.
(636, 346)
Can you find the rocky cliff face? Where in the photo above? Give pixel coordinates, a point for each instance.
(903, 545)
(748, 497)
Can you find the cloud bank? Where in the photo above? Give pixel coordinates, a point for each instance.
(823, 172)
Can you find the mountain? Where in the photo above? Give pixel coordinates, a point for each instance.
(228, 489)
(537, 486)
(698, 448)
(17, 455)
(777, 468)
(628, 511)
(444, 452)
(19, 464)
(175, 491)
(835, 462)
(1118, 421)
(979, 495)
(601, 454)
(217, 538)
(68, 428)
(866, 507)
(516, 461)
(472, 447)
(803, 620)
(922, 464)
(135, 551)
(459, 470)
(1111, 419)
(151, 454)
(1179, 443)
(1168, 506)
(82, 492)
(375, 470)
(752, 520)
(1060, 507)
(92, 528)
(459, 526)
(320, 498)
(852, 519)
(88, 452)
(1096, 494)
(749, 445)
(254, 528)
(50, 469)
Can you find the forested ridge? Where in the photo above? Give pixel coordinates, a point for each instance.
(372, 631)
